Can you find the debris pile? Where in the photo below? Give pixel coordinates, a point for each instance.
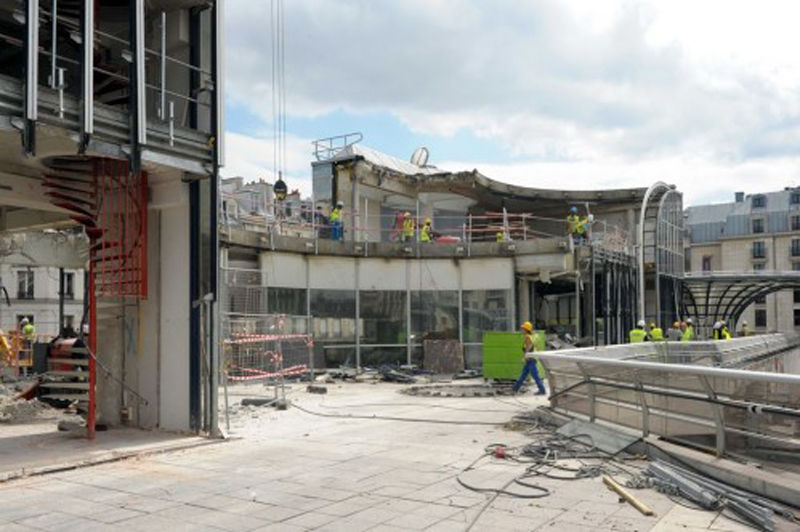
(21, 411)
(711, 495)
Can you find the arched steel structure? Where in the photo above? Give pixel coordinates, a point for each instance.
(714, 296)
(661, 252)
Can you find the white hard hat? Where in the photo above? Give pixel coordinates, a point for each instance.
(717, 325)
(24, 320)
(641, 324)
(744, 322)
(689, 321)
(340, 203)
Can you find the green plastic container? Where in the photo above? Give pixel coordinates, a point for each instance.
(502, 354)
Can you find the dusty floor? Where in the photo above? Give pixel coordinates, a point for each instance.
(292, 470)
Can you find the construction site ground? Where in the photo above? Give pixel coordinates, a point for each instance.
(294, 470)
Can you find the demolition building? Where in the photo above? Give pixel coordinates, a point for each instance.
(371, 287)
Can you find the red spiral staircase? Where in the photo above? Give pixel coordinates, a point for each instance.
(110, 203)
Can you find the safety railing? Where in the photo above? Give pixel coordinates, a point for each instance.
(682, 392)
(330, 147)
(304, 221)
(171, 108)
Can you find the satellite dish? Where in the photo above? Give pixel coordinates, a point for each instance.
(420, 156)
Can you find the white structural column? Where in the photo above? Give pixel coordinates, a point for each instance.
(174, 315)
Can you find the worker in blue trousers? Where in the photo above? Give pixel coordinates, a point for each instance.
(528, 349)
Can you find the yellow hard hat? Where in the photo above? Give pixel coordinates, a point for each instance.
(528, 326)
(407, 214)
(676, 325)
(428, 220)
(652, 325)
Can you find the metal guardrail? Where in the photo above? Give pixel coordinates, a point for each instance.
(685, 392)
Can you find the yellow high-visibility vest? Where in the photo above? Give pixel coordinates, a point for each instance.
(425, 233)
(637, 336)
(408, 227)
(336, 215)
(657, 334)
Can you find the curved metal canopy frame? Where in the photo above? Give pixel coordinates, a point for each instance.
(726, 297)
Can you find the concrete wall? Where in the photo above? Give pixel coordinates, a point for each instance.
(289, 270)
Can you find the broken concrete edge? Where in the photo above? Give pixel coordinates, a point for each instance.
(742, 476)
(108, 458)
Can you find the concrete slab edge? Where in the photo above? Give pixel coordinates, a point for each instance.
(104, 459)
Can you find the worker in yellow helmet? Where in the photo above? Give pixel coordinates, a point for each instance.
(407, 234)
(426, 233)
(656, 333)
(638, 334)
(530, 368)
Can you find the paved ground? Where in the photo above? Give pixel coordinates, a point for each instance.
(294, 471)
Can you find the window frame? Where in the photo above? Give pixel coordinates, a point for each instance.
(29, 285)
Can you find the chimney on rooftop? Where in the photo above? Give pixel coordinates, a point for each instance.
(740, 197)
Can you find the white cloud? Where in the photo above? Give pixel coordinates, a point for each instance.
(623, 90)
(252, 157)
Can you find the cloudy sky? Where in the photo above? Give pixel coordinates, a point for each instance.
(543, 93)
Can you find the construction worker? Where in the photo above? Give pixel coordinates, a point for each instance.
(500, 236)
(725, 334)
(745, 329)
(28, 329)
(576, 226)
(656, 333)
(336, 221)
(530, 368)
(716, 333)
(426, 233)
(674, 333)
(28, 333)
(688, 333)
(408, 228)
(638, 334)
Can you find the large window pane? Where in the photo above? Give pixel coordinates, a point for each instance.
(434, 314)
(383, 317)
(291, 301)
(485, 310)
(334, 327)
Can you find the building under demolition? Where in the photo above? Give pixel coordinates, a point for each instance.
(111, 120)
(501, 254)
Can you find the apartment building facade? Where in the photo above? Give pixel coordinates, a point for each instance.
(33, 293)
(757, 232)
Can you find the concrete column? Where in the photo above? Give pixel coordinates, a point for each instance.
(523, 289)
(174, 318)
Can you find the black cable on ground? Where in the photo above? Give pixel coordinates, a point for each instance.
(392, 418)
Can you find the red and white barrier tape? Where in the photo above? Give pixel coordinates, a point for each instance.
(260, 374)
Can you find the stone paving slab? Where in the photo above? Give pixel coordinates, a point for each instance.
(292, 471)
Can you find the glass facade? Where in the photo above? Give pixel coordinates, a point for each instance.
(485, 310)
(334, 327)
(383, 324)
(434, 314)
(290, 301)
(383, 317)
